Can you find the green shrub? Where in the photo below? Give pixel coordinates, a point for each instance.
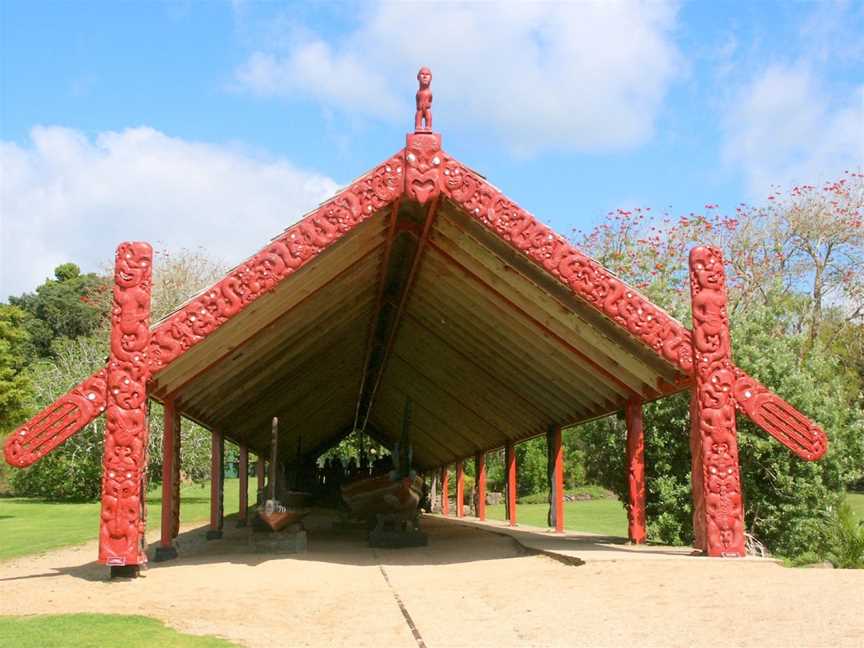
(846, 539)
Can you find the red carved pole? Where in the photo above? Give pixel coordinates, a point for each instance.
(166, 549)
(244, 486)
(175, 495)
(445, 494)
(510, 467)
(558, 476)
(715, 379)
(636, 471)
(480, 472)
(460, 489)
(121, 533)
(696, 477)
(217, 456)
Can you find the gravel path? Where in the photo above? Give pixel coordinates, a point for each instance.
(467, 588)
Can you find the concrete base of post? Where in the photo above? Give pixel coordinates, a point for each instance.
(214, 534)
(165, 553)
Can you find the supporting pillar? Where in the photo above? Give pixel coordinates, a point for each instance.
(715, 405)
(166, 549)
(244, 486)
(217, 474)
(510, 482)
(124, 463)
(555, 473)
(480, 484)
(698, 492)
(259, 473)
(460, 489)
(635, 471)
(175, 478)
(445, 494)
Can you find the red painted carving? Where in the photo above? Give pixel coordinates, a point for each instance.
(715, 380)
(593, 283)
(422, 171)
(196, 320)
(778, 418)
(635, 471)
(424, 101)
(57, 422)
(423, 160)
(696, 488)
(121, 536)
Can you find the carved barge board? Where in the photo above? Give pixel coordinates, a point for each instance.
(421, 170)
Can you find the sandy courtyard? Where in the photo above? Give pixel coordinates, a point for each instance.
(467, 588)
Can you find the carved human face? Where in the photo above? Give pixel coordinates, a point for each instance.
(133, 264)
(424, 76)
(707, 268)
(423, 160)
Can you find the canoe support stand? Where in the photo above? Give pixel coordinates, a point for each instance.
(396, 530)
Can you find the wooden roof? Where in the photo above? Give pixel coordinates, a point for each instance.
(419, 280)
(417, 301)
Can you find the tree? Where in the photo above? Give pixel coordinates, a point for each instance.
(795, 313)
(78, 346)
(15, 387)
(62, 307)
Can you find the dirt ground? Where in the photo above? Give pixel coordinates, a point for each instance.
(469, 587)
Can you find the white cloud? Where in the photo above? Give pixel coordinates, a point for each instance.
(569, 76)
(67, 197)
(785, 127)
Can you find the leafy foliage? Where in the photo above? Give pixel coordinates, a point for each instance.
(62, 308)
(846, 540)
(79, 347)
(796, 307)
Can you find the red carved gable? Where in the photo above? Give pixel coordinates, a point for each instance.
(422, 172)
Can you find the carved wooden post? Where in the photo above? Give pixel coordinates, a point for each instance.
(175, 478)
(259, 473)
(715, 405)
(480, 484)
(555, 471)
(510, 468)
(460, 489)
(217, 474)
(166, 549)
(698, 494)
(445, 494)
(636, 471)
(244, 486)
(122, 526)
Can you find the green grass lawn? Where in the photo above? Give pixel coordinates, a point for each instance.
(606, 516)
(29, 526)
(857, 502)
(87, 630)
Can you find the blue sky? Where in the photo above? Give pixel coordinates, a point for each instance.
(219, 123)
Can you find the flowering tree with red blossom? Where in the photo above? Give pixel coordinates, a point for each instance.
(796, 289)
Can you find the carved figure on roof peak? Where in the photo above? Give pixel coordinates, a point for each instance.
(424, 101)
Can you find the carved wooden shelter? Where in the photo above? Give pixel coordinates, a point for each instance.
(418, 280)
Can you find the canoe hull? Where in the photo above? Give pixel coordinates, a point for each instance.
(368, 497)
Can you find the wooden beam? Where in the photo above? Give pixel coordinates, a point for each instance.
(244, 485)
(217, 474)
(445, 495)
(599, 370)
(166, 549)
(460, 489)
(510, 471)
(480, 484)
(635, 471)
(381, 366)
